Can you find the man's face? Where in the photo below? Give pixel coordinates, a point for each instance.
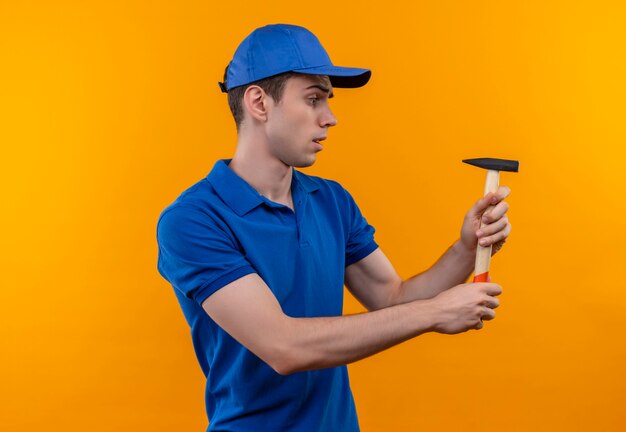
(300, 121)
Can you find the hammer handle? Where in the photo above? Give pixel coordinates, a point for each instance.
(483, 254)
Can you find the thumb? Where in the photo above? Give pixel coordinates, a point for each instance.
(484, 203)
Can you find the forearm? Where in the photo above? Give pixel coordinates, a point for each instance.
(315, 343)
(453, 268)
(250, 313)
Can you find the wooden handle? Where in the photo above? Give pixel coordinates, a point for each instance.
(483, 254)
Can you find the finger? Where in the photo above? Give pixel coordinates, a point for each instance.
(503, 192)
(492, 228)
(479, 325)
(495, 213)
(492, 198)
(483, 203)
(491, 302)
(495, 238)
(488, 314)
(489, 288)
(497, 247)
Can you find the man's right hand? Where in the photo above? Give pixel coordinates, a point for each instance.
(248, 311)
(465, 307)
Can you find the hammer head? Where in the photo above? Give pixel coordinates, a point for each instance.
(494, 164)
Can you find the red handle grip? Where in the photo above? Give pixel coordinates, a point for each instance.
(483, 277)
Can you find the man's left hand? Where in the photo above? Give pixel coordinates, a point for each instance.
(496, 227)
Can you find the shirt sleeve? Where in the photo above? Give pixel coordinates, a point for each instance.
(195, 255)
(360, 242)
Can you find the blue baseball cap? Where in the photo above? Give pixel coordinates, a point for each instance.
(280, 48)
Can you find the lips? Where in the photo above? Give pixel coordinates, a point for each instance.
(317, 142)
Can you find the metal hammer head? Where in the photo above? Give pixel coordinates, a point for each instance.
(494, 164)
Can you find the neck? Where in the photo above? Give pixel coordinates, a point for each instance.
(267, 175)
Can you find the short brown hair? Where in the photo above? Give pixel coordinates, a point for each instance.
(273, 86)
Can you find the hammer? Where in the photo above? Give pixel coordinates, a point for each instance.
(493, 167)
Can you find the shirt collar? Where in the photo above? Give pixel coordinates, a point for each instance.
(239, 195)
(307, 184)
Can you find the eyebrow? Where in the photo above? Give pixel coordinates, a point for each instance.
(322, 88)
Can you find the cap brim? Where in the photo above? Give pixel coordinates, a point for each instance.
(341, 77)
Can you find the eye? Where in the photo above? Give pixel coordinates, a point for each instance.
(313, 100)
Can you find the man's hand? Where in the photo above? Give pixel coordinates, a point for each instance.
(465, 307)
(496, 227)
(248, 311)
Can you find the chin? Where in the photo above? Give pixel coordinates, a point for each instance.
(300, 161)
(304, 163)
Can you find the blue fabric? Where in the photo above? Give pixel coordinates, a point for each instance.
(221, 229)
(278, 48)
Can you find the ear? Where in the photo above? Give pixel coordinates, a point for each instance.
(255, 101)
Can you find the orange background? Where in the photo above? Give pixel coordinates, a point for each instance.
(110, 109)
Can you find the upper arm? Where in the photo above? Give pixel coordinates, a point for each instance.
(249, 312)
(196, 255)
(204, 262)
(373, 281)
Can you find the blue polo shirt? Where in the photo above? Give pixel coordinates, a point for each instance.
(221, 229)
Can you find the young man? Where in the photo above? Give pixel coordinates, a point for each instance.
(258, 254)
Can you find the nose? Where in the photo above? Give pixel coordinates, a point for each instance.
(328, 119)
